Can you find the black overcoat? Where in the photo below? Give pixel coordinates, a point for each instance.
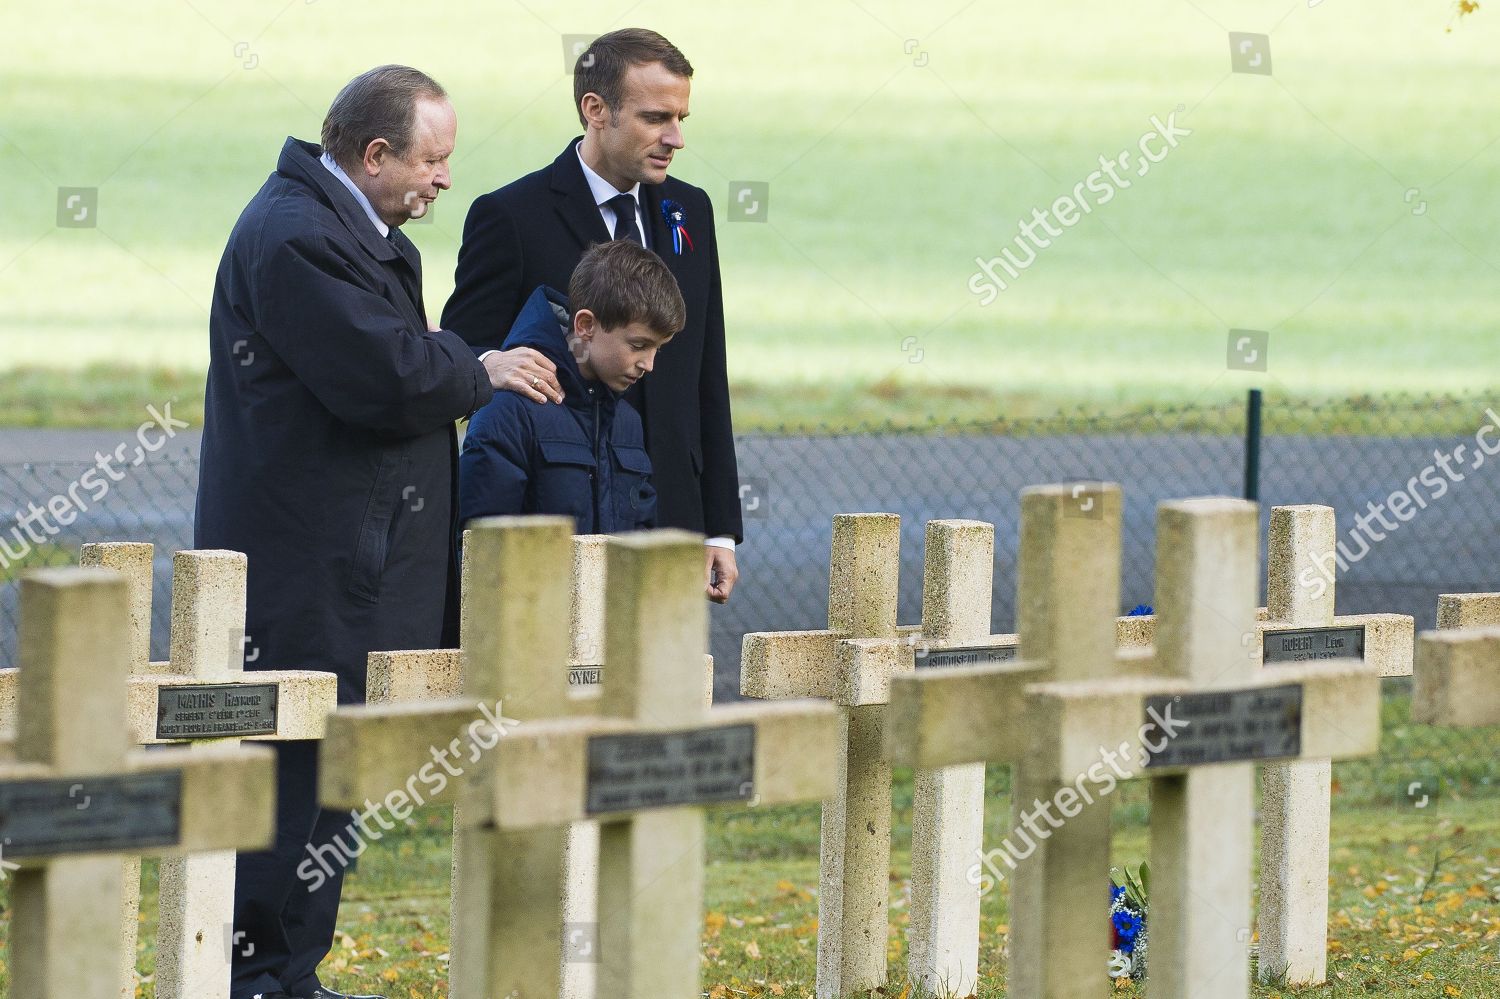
(329, 451)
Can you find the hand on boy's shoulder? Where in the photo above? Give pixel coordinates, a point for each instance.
(524, 371)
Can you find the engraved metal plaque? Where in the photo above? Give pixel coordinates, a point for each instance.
(970, 655)
(585, 676)
(122, 814)
(1223, 726)
(216, 711)
(649, 770)
(1306, 644)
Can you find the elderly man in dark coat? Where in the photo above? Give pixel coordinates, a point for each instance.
(329, 457)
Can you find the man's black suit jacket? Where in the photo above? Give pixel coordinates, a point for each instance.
(533, 232)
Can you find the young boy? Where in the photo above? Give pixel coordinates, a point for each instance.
(587, 457)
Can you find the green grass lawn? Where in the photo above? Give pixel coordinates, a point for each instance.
(1396, 929)
(1414, 892)
(1292, 207)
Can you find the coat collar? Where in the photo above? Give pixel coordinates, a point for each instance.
(575, 204)
(299, 160)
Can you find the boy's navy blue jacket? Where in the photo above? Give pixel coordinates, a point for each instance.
(585, 458)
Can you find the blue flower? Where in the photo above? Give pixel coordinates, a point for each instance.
(1127, 927)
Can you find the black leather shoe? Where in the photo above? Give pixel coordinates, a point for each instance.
(330, 994)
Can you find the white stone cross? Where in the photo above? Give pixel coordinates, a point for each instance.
(200, 695)
(74, 798)
(948, 801)
(1194, 728)
(1067, 597)
(1458, 677)
(1296, 796)
(437, 673)
(648, 765)
(850, 662)
(1468, 610)
(518, 889)
(507, 929)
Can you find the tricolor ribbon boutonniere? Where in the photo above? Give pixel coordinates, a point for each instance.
(676, 218)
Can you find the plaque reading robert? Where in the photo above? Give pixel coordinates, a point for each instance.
(1306, 644)
(971, 655)
(216, 711)
(1223, 726)
(44, 818)
(633, 772)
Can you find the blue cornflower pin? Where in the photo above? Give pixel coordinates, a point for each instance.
(676, 217)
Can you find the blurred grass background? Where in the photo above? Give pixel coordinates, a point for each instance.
(1344, 203)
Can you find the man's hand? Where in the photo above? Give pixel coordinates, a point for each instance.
(526, 371)
(723, 568)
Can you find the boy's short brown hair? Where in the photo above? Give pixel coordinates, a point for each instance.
(622, 282)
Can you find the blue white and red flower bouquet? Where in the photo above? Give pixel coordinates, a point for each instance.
(1127, 921)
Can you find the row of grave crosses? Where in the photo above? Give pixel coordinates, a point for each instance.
(948, 726)
(590, 814)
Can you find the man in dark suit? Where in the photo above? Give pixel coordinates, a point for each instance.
(329, 458)
(631, 91)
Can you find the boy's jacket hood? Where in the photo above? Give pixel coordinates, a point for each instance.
(544, 325)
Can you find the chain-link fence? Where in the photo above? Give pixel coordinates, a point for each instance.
(1398, 555)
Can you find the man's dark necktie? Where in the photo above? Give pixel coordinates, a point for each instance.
(625, 227)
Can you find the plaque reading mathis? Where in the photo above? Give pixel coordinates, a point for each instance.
(129, 813)
(649, 770)
(970, 655)
(1223, 726)
(1305, 644)
(216, 711)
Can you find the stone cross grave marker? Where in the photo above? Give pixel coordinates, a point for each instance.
(1458, 677)
(1468, 610)
(850, 662)
(948, 802)
(507, 931)
(438, 673)
(958, 574)
(74, 798)
(648, 765)
(1195, 727)
(200, 695)
(1068, 593)
(1296, 796)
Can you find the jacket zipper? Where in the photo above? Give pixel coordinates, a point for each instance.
(598, 467)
